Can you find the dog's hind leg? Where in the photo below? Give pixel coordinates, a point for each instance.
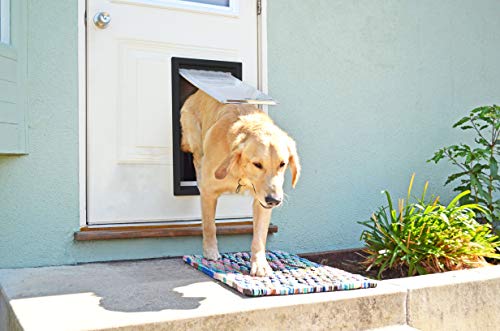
(191, 136)
(191, 133)
(208, 206)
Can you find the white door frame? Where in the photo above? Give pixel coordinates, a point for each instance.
(82, 92)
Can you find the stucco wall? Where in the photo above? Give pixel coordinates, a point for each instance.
(368, 90)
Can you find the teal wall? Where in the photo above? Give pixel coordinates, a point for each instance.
(367, 90)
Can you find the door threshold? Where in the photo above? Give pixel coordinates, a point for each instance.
(180, 222)
(162, 231)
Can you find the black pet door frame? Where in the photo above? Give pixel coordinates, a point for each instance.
(184, 172)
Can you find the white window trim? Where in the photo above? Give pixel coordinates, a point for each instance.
(232, 10)
(5, 21)
(82, 93)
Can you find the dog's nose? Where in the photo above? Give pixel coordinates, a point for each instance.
(272, 201)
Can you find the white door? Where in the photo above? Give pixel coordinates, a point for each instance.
(129, 105)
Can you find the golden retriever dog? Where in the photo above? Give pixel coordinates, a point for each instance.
(236, 148)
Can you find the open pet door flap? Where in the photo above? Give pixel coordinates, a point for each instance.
(225, 88)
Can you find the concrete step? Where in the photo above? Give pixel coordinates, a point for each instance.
(167, 294)
(455, 300)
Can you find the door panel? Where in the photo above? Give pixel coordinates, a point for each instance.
(129, 103)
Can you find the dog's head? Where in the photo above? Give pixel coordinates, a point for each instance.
(261, 161)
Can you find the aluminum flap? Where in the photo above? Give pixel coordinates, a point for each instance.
(225, 88)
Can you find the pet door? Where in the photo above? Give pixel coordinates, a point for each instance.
(219, 79)
(225, 88)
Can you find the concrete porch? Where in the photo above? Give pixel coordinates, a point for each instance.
(166, 294)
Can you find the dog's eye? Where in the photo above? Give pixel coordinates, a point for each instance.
(258, 165)
(282, 164)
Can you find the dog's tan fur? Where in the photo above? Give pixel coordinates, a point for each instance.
(236, 146)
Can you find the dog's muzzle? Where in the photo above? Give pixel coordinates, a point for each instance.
(266, 207)
(272, 201)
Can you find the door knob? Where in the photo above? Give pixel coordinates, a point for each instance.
(102, 19)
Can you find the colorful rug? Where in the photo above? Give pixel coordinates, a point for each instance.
(292, 274)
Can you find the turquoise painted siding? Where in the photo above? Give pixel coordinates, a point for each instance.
(368, 91)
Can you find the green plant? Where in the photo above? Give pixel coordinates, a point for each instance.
(427, 237)
(478, 165)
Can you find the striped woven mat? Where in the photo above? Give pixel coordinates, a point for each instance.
(291, 274)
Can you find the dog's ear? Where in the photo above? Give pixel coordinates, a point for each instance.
(294, 162)
(225, 167)
(234, 157)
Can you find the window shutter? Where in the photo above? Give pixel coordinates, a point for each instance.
(13, 71)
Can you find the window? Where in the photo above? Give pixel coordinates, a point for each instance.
(220, 7)
(223, 3)
(5, 21)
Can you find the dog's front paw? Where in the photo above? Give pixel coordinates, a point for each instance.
(211, 253)
(260, 268)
